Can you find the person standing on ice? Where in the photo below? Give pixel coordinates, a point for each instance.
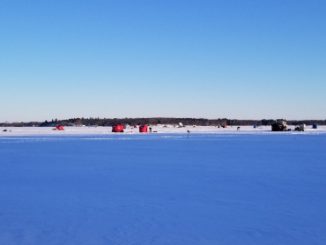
(188, 133)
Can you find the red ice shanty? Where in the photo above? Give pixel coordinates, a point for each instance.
(143, 128)
(60, 127)
(118, 128)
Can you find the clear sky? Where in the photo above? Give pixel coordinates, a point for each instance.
(245, 59)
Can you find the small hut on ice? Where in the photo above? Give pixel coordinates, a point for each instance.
(59, 127)
(118, 128)
(279, 125)
(143, 128)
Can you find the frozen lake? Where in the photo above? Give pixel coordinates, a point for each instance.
(165, 189)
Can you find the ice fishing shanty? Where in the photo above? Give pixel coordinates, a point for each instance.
(59, 127)
(143, 128)
(118, 128)
(279, 125)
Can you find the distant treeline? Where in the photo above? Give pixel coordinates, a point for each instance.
(155, 121)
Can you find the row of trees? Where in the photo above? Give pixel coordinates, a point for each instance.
(155, 121)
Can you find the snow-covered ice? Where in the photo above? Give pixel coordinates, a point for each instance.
(159, 129)
(96, 188)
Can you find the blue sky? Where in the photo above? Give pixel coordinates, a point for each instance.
(248, 59)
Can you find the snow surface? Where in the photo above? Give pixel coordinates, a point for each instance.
(160, 129)
(162, 189)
